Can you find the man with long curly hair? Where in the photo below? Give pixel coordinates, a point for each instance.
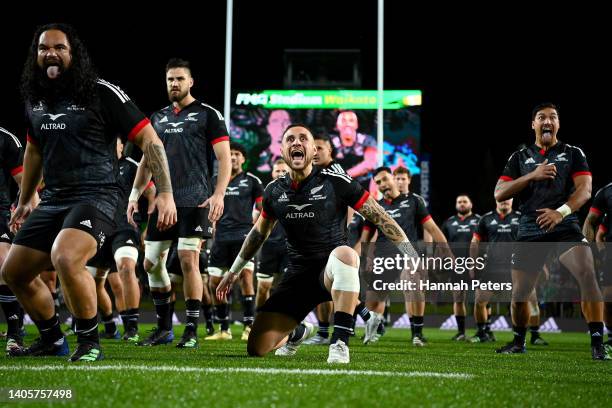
(73, 119)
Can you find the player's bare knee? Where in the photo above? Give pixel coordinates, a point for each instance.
(347, 255)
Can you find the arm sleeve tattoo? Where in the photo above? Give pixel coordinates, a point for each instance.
(158, 165)
(373, 212)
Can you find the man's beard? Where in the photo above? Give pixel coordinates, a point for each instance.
(53, 90)
(463, 211)
(177, 97)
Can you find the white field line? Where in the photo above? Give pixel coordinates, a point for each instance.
(253, 370)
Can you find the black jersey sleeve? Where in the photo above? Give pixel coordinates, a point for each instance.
(599, 203)
(422, 213)
(512, 169)
(216, 131)
(267, 209)
(349, 191)
(580, 167)
(481, 230)
(121, 112)
(257, 190)
(13, 154)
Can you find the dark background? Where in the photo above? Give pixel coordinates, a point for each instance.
(481, 70)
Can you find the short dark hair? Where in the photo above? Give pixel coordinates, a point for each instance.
(402, 170)
(238, 147)
(544, 105)
(381, 169)
(279, 161)
(463, 195)
(298, 125)
(178, 63)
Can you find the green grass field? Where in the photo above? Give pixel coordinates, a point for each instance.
(391, 373)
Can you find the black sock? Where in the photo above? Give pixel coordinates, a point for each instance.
(488, 323)
(162, 308)
(297, 333)
(192, 313)
(124, 320)
(50, 330)
(323, 329)
(363, 311)
(460, 324)
(481, 327)
(207, 309)
(222, 315)
(131, 319)
(248, 307)
(56, 302)
(342, 327)
(535, 331)
(519, 335)
(10, 307)
(87, 330)
(109, 323)
(596, 329)
(21, 317)
(172, 304)
(416, 325)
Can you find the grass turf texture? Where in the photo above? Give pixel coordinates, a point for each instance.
(394, 374)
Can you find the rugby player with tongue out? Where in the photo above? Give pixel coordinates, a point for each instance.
(54, 55)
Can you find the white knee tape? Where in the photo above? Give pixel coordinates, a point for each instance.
(344, 277)
(218, 272)
(92, 270)
(534, 309)
(156, 252)
(249, 265)
(176, 279)
(126, 252)
(262, 277)
(189, 244)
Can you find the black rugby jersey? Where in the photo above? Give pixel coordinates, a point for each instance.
(127, 172)
(188, 136)
(495, 228)
(570, 162)
(606, 227)
(242, 192)
(355, 228)
(313, 212)
(602, 206)
(78, 145)
(408, 210)
(11, 158)
(459, 230)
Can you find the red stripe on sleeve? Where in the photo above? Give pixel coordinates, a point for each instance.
(266, 215)
(367, 228)
(151, 184)
(595, 211)
(259, 199)
(581, 173)
(424, 220)
(220, 139)
(30, 139)
(16, 170)
(362, 200)
(477, 236)
(137, 129)
(505, 178)
(603, 228)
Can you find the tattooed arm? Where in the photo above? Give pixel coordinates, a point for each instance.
(374, 213)
(258, 234)
(154, 156)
